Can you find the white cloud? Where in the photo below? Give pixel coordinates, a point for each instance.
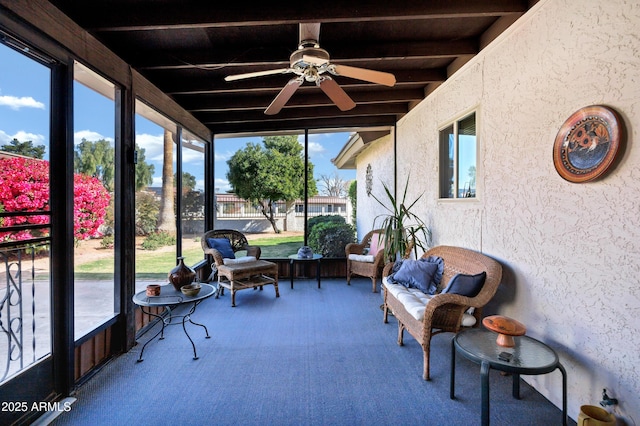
(222, 156)
(315, 148)
(153, 146)
(89, 135)
(221, 185)
(16, 103)
(22, 136)
(191, 156)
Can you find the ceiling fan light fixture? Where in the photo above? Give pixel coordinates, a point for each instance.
(308, 56)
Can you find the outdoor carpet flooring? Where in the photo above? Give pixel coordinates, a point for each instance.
(311, 357)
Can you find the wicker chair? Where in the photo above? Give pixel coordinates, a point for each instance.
(254, 273)
(444, 312)
(371, 268)
(236, 238)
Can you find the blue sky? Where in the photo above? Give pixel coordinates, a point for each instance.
(24, 115)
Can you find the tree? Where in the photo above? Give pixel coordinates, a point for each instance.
(144, 171)
(24, 148)
(353, 196)
(167, 217)
(333, 185)
(95, 159)
(98, 159)
(188, 181)
(267, 174)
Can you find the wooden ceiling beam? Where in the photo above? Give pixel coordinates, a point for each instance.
(274, 57)
(213, 103)
(150, 15)
(183, 85)
(296, 113)
(266, 126)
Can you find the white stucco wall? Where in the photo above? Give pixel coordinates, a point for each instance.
(571, 252)
(379, 154)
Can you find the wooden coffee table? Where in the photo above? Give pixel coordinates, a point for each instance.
(241, 276)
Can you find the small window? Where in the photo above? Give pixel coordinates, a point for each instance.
(458, 148)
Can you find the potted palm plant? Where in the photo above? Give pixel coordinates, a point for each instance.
(404, 231)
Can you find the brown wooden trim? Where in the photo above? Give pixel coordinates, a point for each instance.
(87, 49)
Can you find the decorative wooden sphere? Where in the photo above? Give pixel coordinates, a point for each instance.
(506, 328)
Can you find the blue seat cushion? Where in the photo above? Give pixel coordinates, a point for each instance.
(223, 245)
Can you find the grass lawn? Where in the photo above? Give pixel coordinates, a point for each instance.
(155, 264)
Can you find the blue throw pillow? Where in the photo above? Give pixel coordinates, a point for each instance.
(466, 285)
(424, 274)
(223, 245)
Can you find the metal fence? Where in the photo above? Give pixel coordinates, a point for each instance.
(24, 303)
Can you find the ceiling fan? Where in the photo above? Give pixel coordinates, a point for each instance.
(311, 63)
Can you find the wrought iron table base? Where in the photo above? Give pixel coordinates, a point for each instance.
(168, 320)
(170, 297)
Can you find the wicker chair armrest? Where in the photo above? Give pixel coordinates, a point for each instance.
(217, 256)
(379, 259)
(255, 251)
(387, 269)
(354, 248)
(448, 308)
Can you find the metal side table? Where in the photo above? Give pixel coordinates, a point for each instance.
(528, 357)
(294, 258)
(170, 298)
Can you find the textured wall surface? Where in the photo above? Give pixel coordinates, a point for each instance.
(571, 252)
(379, 154)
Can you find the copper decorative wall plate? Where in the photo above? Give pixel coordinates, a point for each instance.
(587, 143)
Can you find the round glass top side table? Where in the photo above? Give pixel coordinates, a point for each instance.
(294, 258)
(170, 298)
(529, 357)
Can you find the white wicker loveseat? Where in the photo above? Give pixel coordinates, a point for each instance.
(442, 312)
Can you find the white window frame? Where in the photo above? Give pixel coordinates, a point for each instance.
(443, 153)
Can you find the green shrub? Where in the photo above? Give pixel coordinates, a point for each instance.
(311, 223)
(156, 240)
(329, 238)
(147, 212)
(107, 242)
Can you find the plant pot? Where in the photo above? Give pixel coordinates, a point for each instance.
(590, 415)
(181, 274)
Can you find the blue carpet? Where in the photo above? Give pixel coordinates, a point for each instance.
(311, 357)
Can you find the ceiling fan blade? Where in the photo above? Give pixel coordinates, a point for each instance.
(257, 74)
(309, 32)
(313, 60)
(285, 94)
(335, 93)
(364, 74)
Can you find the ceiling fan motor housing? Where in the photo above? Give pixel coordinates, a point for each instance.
(297, 61)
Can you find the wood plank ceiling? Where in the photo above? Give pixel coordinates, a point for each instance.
(187, 47)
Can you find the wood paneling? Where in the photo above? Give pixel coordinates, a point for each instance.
(92, 352)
